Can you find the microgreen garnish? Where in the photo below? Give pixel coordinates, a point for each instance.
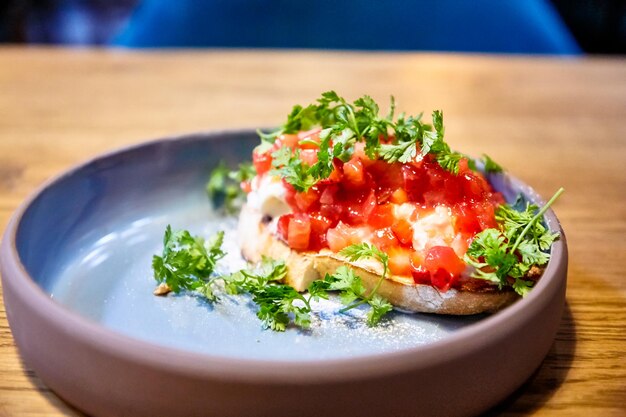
(344, 124)
(490, 165)
(224, 185)
(506, 255)
(188, 263)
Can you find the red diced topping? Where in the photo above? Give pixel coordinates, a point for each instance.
(403, 230)
(443, 280)
(353, 173)
(308, 156)
(399, 261)
(384, 239)
(443, 257)
(299, 232)
(357, 202)
(262, 162)
(306, 199)
(382, 216)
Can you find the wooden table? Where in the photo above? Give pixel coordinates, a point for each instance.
(551, 122)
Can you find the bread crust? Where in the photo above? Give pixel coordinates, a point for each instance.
(256, 240)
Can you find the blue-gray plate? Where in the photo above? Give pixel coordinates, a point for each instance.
(77, 277)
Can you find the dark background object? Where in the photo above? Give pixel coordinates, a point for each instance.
(599, 26)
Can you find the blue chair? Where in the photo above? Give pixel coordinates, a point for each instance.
(494, 26)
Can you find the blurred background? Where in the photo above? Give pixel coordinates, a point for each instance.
(564, 27)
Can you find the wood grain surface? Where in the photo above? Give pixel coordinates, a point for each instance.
(551, 122)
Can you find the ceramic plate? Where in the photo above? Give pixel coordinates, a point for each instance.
(76, 268)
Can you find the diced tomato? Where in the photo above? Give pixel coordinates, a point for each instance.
(443, 257)
(443, 280)
(399, 261)
(353, 172)
(453, 190)
(308, 137)
(415, 183)
(308, 156)
(282, 227)
(485, 214)
(343, 235)
(382, 216)
(399, 196)
(319, 226)
(384, 239)
(328, 195)
(420, 274)
(262, 162)
(290, 194)
(387, 178)
(246, 186)
(306, 199)
(287, 140)
(464, 166)
(465, 220)
(299, 232)
(337, 239)
(357, 207)
(359, 152)
(403, 230)
(332, 211)
(336, 175)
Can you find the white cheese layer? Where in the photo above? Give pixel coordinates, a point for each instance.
(431, 228)
(268, 196)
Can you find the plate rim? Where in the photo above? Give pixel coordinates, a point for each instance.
(203, 365)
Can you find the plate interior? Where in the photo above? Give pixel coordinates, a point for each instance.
(88, 241)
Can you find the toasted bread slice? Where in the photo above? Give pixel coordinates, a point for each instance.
(256, 240)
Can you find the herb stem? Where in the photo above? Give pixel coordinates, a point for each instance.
(535, 218)
(371, 294)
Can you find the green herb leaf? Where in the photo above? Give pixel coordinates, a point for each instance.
(187, 262)
(224, 186)
(510, 251)
(491, 165)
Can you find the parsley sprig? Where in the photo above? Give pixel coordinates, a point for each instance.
(506, 255)
(188, 263)
(224, 185)
(343, 124)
